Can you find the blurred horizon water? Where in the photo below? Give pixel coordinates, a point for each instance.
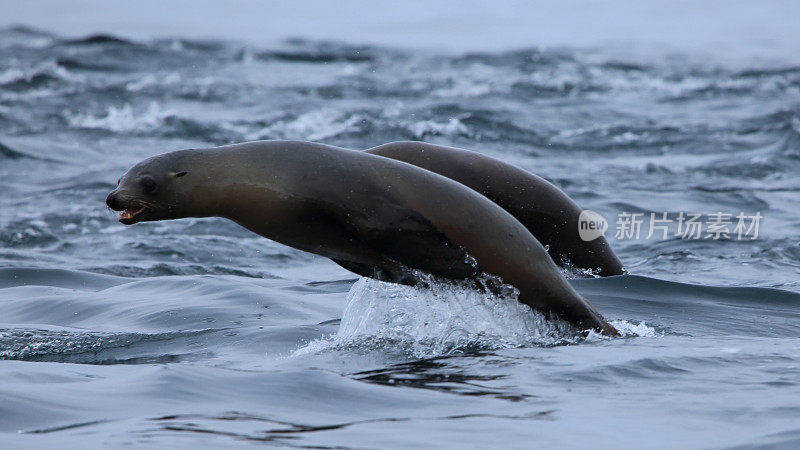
(729, 30)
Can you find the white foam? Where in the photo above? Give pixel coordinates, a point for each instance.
(141, 83)
(121, 119)
(151, 80)
(12, 74)
(453, 127)
(631, 329)
(27, 73)
(314, 125)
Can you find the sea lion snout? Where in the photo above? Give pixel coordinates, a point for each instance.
(113, 202)
(132, 210)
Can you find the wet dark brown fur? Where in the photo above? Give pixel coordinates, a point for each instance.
(373, 215)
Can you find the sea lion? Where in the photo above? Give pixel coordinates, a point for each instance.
(375, 216)
(545, 210)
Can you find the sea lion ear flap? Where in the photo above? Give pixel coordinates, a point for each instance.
(179, 174)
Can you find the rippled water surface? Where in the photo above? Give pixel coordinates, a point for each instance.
(197, 332)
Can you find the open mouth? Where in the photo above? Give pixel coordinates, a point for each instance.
(131, 215)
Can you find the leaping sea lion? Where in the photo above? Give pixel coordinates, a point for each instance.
(373, 215)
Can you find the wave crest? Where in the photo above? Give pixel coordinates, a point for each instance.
(121, 119)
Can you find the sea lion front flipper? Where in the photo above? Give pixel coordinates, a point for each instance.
(407, 237)
(381, 272)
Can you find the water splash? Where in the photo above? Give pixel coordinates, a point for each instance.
(445, 318)
(570, 270)
(630, 329)
(438, 319)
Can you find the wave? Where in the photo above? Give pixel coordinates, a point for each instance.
(121, 119)
(33, 234)
(525, 60)
(99, 39)
(154, 119)
(448, 120)
(557, 73)
(24, 30)
(165, 269)
(36, 76)
(83, 347)
(319, 52)
(767, 164)
(24, 276)
(458, 87)
(427, 128)
(440, 320)
(77, 63)
(779, 71)
(23, 37)
(694, 309)
(9, 153)
(318, 56)
(314, 125)
(195, 45)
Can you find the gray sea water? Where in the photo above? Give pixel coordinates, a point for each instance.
(199, 333)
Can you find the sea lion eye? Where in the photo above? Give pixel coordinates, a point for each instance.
(148, 184)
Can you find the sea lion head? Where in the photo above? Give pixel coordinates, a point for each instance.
(158, 188)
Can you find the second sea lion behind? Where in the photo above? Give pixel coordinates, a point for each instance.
(546, 211)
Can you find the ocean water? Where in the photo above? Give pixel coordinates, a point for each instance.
(199, 333)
